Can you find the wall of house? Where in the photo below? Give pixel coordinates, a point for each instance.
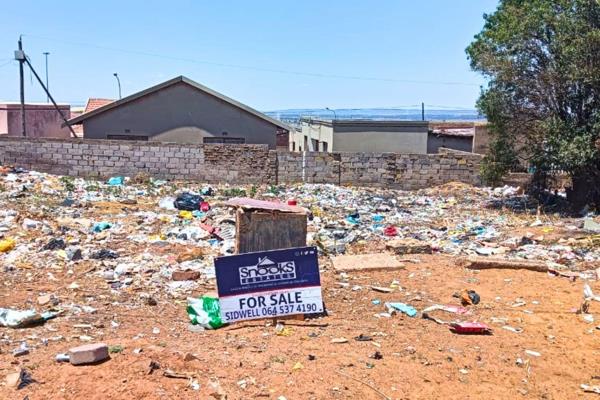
(180, 113)
(397, 139)
(435, 142)
(41, 120)
(313, 132)
(237, 164)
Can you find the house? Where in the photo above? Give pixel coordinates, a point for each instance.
(41, 120)
(182, 111)
(450, 135)
(360, 136)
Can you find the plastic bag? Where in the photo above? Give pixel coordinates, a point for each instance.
(6, 245)
(188, 202)
(116, 181)
(22, 319)
(100, 226)
(205, 312)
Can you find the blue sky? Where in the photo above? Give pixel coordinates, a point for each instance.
(269, 54)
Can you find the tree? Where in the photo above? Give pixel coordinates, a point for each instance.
(541, 59)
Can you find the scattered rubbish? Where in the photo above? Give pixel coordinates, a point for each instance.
(469, 297)
(426, 313)
(105, 254)
(533, 353)
(512, 329)
(167, 203)
(22, 319)
(7, 245)
(282, 330)
(409, 246)
(55, 244)
(591, 225)
(470, 328)
(185, 275)
(588, 294)
(88, 354)
(169, 373)
(590, 388)
(62, 357)
(21, 351)
(115, 181)
(390, 231)
(188, 202)
(382, 289)
(363, 338)
(339, 340)
(392, 307)
(101, 226)
(153, 366)
(19, 380)
(298, 366)
(205, 311)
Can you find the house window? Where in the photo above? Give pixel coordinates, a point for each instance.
(315, 144)
(293, 146)
(325, 147)
(127, 137)
(223, 140)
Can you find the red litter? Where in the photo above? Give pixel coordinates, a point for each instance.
(292, 202)
(390, 230)
(204, 206)
(470, 328)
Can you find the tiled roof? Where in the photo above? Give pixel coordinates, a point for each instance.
(94, 103)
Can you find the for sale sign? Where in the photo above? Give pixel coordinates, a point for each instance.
(269, 284)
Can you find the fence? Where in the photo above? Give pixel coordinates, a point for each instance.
(237, 164)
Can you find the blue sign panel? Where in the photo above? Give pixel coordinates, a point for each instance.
(269, 284)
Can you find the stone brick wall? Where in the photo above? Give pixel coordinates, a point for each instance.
(400, 171)
(240, 164)
(102, 158)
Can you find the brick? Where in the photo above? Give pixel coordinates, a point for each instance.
(88, 354)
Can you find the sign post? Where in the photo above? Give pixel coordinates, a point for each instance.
(269, 284)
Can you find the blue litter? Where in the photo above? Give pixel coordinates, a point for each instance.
(198, 214)
(377, 218)
(404, 308)
(101, 226)
(116, 181)
(376, 302)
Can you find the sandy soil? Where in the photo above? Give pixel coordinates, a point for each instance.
(421, 359)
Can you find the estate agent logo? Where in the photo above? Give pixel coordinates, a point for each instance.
(266, 270)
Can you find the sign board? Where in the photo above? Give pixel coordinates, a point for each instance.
(269, 284)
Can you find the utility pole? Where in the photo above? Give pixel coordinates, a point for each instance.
(20, 57)
(422, 111)
(50, 97)
(47, 85)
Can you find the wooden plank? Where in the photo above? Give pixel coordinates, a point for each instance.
(499, 263)
(269, 230)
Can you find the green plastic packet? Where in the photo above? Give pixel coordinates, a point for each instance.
(205, 312)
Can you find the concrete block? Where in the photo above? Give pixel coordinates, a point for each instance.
(88, 354)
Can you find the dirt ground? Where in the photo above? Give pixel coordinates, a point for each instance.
(420, 359)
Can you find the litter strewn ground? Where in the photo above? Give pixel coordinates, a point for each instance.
(115, 263)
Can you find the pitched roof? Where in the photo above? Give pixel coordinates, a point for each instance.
(169, 83)
(94, 103)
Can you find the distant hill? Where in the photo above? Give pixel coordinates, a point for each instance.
(293, 115)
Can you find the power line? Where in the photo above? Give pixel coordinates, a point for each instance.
(254, 68)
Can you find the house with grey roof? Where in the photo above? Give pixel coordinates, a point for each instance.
(182, 111)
